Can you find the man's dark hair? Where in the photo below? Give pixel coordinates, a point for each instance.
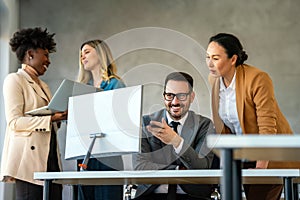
(180, 76)
(31, 38)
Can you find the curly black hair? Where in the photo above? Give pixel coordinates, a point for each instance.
(31, 38)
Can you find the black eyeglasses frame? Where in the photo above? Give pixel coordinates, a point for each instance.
(179, 96)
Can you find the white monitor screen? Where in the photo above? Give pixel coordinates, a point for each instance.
(115, 113)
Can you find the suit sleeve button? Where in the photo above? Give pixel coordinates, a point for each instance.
(32, 147)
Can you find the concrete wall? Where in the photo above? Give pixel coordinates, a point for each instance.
(178, 38)
(268, 30)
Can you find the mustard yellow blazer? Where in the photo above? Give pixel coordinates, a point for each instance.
(257, 108)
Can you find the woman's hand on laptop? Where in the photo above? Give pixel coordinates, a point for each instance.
(59, 116)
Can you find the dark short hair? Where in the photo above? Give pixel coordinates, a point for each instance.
(180, 76)
(232, 46)
(31, 38)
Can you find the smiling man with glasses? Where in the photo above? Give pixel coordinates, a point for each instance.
(174, 138)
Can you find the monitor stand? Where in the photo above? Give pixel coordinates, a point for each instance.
(83, 165)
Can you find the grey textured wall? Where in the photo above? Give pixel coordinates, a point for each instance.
(268, 29)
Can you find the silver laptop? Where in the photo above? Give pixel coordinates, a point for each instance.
(60, 99)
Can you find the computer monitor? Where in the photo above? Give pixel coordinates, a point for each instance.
(114, 113)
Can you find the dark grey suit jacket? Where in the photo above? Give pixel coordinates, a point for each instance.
(155, 155)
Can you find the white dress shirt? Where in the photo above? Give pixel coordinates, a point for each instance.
(164, 188)
(227, 106)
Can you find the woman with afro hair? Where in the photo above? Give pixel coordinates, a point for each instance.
(30, 143)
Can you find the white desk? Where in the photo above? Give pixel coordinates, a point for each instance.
(159, 177)
(252, 147)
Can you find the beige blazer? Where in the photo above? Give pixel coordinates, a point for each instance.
(257, 108)
(27, 138)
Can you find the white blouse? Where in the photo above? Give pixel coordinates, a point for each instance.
(227, 106)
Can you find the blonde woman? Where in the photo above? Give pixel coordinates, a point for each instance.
(97, 68)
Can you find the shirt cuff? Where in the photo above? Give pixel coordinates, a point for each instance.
(178, 149)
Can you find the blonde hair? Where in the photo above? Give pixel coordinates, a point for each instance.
(108, 67)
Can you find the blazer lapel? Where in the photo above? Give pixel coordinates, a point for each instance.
(239, 93)
(38, 90)
(157, 117)
(46, 90)
(219, 125)
(166, 149)
(189, 129)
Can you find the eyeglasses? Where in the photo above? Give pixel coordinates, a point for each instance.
(179, 96)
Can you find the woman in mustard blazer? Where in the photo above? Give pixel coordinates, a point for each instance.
(30, 141)
(243, 102)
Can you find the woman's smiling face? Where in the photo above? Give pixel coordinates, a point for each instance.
(89, 58)
(39, 60)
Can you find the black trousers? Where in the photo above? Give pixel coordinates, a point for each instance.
(99, 192)
(29, 191)
(156, 196)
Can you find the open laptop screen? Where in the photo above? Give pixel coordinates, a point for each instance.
(60, 99)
